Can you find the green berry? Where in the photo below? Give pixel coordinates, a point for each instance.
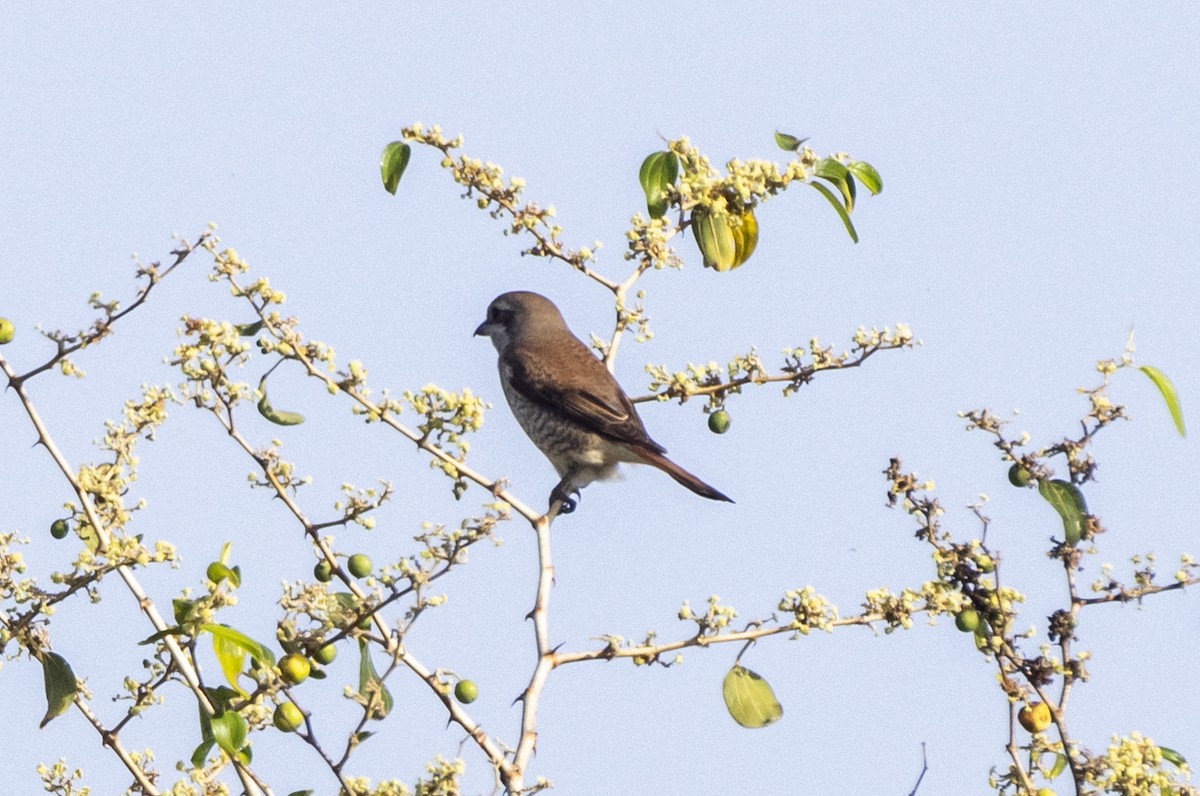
(985, 563)
(466, 691)
(359, 565)
(294, 668)
(216, 572)
(59, 529)
(288, 717)
(325, 655)
(323, 571)
(967, 620)
(6, 331)
(1019, 475)
(718, 422)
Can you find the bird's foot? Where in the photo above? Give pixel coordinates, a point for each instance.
(566, 503)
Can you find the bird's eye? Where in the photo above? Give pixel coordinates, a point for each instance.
(498, 315)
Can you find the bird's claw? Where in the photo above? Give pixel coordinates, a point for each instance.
(566, 503)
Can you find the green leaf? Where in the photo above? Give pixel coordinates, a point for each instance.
(276, 416)
(749, 698)
(370, 686)
(229, 731)
(841, 211)
(221, 698)
(218, 572)
(839, 176)
(867, 175)
(185, 610)
(1060, 762)
(1068, 501)
(659, 172)
(201, 754)
(788, 143)
(392, 164)
(249, 329)
(61, 686)
(1169, 395)
(174, 630)
(343, 608)
(1172, 757)
(308, 792)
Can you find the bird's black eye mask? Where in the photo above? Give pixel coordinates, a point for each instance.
(497, 315)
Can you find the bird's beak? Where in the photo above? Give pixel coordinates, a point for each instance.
(482, 330)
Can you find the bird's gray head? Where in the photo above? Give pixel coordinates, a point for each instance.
(519, 314)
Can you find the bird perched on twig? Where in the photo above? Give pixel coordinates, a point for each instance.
(566, 400)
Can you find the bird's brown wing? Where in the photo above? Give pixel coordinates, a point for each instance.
(564, 375)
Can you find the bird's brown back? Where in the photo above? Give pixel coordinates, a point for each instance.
(557, 369)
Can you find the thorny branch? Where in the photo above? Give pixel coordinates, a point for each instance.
(68, 344)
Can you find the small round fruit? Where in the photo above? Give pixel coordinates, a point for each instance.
(59, 529)
(294, 668)
(466, 691)
(215, 572)
(1046, 792)
(325, 655)
(323, 572)
(288, 717)
(985, 563)
(1034, 717)
(6, 331)
(1019, 475)
(967, 620)
(359, 565)
(718, 422)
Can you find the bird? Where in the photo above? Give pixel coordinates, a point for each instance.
(567, 402)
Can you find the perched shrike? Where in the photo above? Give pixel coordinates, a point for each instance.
(567, 401)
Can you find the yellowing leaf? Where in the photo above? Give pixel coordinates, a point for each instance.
(231, 647)
(749, 698)
(232, 659)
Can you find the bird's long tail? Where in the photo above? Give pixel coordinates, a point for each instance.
(656, 459)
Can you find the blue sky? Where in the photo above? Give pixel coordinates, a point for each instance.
(1039, 202)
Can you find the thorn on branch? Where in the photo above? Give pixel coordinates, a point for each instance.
(924, 768)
